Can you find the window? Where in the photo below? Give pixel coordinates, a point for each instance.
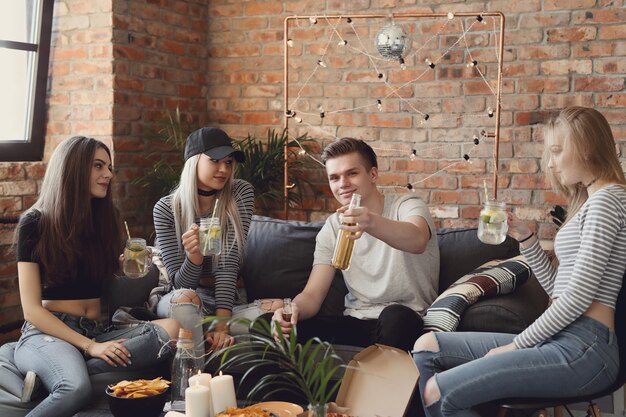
(25, 30)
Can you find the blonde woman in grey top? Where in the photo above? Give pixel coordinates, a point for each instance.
(571, 349)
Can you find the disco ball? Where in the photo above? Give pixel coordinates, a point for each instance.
(392, 42)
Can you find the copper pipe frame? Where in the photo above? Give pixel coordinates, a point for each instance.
(496, 135)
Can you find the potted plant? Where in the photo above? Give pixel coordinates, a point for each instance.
(161, 177)
(305, 370)
(265, 167)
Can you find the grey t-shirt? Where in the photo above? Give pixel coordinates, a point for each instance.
(380, 275)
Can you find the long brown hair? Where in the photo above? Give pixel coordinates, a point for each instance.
(589, 135)
(74, 226)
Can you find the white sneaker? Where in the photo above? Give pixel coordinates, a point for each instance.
(31, 384)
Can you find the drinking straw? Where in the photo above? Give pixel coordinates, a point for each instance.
(127, 231)
(214, 209)
(486, 193)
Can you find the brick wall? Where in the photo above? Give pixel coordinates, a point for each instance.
(556, 54)
(118, 66)
(116, 69)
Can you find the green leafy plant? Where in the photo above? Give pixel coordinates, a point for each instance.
(164, 174)
(305, 369)
(264, 167)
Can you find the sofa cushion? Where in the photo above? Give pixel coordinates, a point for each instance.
(510, 313)
(460, 252)
(278, 261)
(130, 292)
(488, 280)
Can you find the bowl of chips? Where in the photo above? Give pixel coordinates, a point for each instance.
(141, 397)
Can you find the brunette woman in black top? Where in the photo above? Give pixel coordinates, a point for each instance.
(68, 245)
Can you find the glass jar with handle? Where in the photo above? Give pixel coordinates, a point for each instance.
(492, 223)
(137, 258)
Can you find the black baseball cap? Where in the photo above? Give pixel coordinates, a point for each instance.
(212, 142)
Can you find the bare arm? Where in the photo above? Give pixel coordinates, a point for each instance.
(411, 235)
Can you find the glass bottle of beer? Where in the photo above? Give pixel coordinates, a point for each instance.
(344, 246)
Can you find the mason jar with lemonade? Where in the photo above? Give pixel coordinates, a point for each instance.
(492, 223)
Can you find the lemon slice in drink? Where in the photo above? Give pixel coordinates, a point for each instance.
(497, 217)
(136, 254)
(214, 232)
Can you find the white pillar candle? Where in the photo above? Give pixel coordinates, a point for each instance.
(198, 401)
(222, 393)
(202, 378)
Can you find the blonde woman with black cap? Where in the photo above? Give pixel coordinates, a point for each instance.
(209, 282)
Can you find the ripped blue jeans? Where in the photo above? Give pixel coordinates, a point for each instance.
(64, 370)
(580, 359)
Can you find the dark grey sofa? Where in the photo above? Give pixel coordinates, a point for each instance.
(279, 256)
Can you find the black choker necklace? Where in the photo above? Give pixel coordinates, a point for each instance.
(204, 193)
(591, 183)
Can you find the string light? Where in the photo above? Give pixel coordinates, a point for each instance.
(381, 75)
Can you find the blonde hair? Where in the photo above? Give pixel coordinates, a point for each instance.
(186, 207)
(589, 135)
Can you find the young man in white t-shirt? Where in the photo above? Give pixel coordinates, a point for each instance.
(394, 271)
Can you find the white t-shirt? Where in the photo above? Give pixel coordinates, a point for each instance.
(380, 275)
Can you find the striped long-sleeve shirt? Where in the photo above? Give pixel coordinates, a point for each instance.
(591, 249)
(183, 272)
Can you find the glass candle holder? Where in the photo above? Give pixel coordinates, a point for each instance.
(492, 223)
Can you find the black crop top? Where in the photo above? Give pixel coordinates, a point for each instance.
(78, 288)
